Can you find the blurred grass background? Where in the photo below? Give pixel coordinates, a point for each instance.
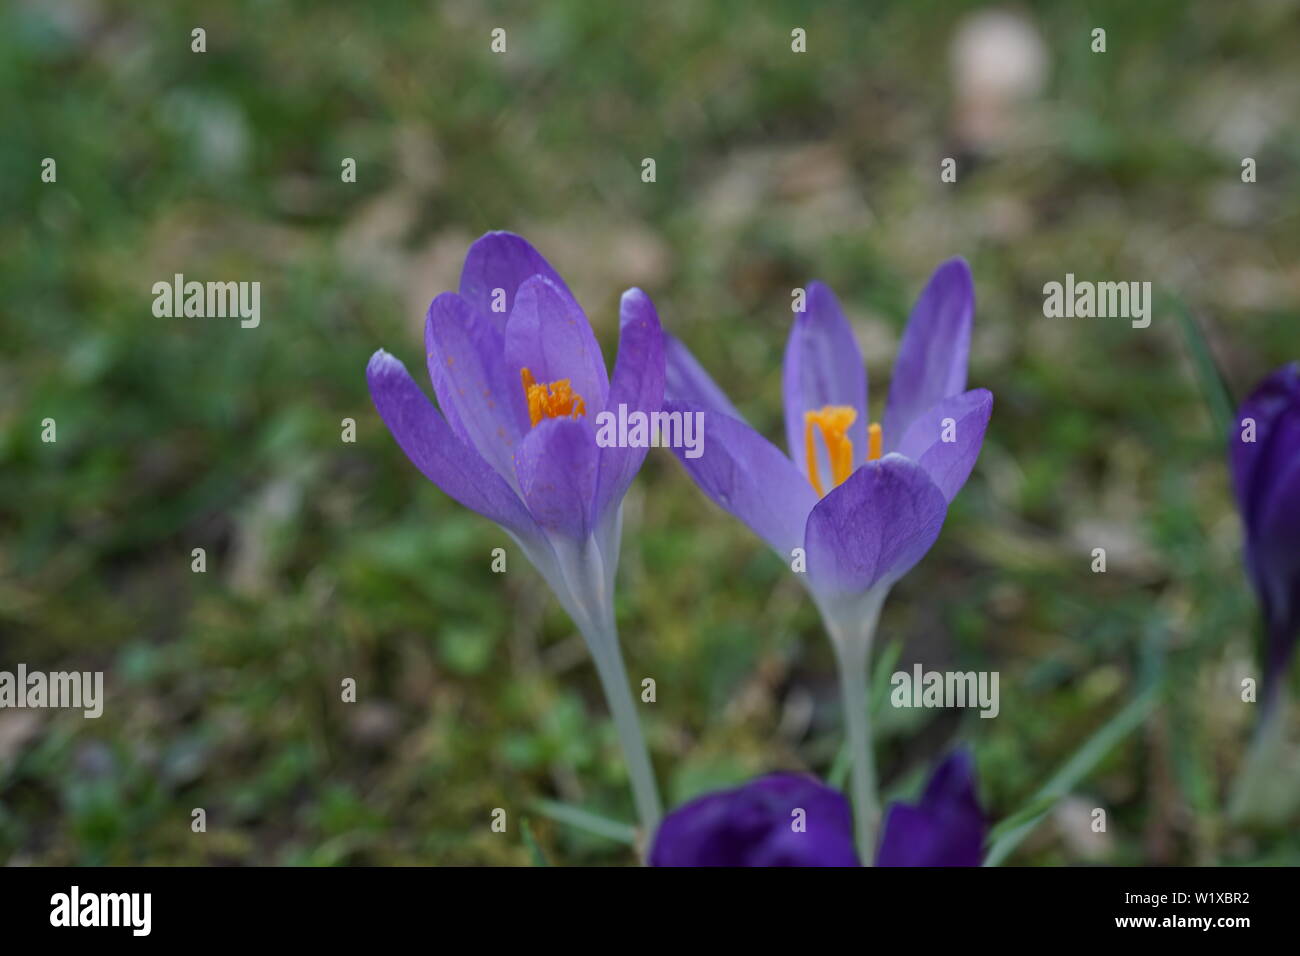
(329, 560)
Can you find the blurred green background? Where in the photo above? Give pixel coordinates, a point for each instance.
(329, 560)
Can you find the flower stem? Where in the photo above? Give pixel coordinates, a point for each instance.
(613, 679)
(1264, 792)
(582, 577)
(866, 808)
(852, 636)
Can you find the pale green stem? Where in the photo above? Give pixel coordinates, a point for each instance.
(613, 679)
(866, 808)
(852, 650)
(582, 579)
(1264, 793)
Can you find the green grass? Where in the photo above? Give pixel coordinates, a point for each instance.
(329, 560)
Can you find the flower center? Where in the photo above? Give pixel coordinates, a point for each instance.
(833, 421)
(551, 399)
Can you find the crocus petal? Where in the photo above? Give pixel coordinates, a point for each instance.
(753, 825)
(1266, 477)
(1275, 565)
(638, 385)
(963, 419)
(932, 358)
(686, 381)
(747, 475)
(823, 366)
(549, 335)
(1274, 559)
(1272, 400)
(446, 461)
(947, 828)
(476, 393)
(874, 527)
(501, 260)
(556, 465)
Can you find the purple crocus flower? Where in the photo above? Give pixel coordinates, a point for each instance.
(787, 819)
(520, 379)
(864, 502)
(783, 819)
(947, 828)
(1265, 457)
(860, 503)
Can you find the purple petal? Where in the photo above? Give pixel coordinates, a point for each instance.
(475, 390)
(556, 464)
(747, 475)
(686, 381)
(874, 527)
(501, 260)
(783, 819)
(428, 441)
(932, 358)
(549, 335)
(949, 463)
(638, 384)
(947, 828)
(1266, 478)
(823, 366)
(1270, 404)
(1275, 561)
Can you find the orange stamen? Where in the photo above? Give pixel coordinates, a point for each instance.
(833, 421)
(875, 441)
(551, 399)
